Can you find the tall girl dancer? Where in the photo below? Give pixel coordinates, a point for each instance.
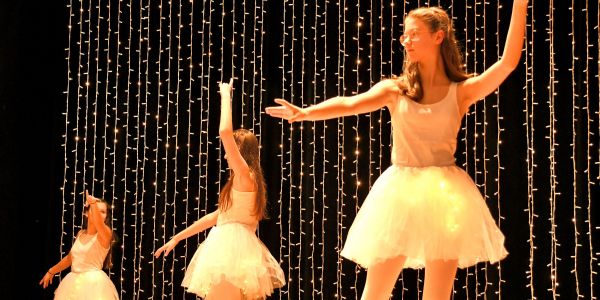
(423, 211)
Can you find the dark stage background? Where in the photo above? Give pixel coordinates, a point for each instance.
(539, 182)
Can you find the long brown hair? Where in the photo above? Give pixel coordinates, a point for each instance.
(249, 149)
(108, 260)
(436, 19)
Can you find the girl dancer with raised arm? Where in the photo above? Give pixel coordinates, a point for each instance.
(423, 211)
(232, 263)
(90, 253)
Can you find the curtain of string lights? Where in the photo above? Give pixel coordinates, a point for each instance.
(141, 131)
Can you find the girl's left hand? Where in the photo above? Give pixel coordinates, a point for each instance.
(287, 111)
(46, 280)
(166, 248)
(226, 88)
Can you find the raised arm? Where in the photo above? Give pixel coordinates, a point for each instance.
(204, 223)
(234, 157)
(104, 232)
(380, 95)
(478, 87)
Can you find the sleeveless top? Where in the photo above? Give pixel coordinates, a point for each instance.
(425, 134)
(87, 256)
(241, 209)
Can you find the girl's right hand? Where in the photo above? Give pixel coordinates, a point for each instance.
(47, 280)
(286, 110)
(226, 88)
(166, 248)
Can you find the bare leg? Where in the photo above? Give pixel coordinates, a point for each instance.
(224, 290)
(439, 278)
(381, 279)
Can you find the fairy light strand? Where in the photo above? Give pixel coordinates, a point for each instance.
(65, 144)
(176, 148)
(590, 145)
(313, 170)
(574, 111)
(190, 62)
(133, 153)
(244, 94)
(325, 164)
(282, 156)
(86, 138)
(96, 85)
(167, 137)
(155, 187)
(106, 97)
(113, 154)
(77, 129)
(498, 143)
(531, 214)
(552, 143)
(137, 239)
(484, 51)
(293, 201)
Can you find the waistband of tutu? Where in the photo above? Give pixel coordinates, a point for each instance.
(251, 227)
(405, 165)
(85, 271)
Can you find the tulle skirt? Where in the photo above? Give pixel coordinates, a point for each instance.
(89, 285)
(424, 213)
(233, 252)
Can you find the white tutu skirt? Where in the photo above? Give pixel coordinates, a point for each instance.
(89, 285)
(232, 252)
(426, 213)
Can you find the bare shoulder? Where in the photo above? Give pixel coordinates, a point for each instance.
(389, 85)
(391, 88)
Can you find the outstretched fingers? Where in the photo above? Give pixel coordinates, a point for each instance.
(278, 112)
(158, 252)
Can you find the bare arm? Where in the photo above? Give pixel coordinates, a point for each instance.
(205, 222)
(104, 232)
(202, 224)
(478, 87)
(234, 157)
(380, 95)
(64, 263)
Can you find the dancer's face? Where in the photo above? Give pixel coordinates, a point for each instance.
(418, 40)
(103, 210)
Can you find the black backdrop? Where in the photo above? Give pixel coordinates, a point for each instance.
(33, 79)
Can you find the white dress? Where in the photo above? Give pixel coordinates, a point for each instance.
(87, 281)
(424, 207)
(233, 252)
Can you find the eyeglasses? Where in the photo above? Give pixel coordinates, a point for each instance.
(413, 35)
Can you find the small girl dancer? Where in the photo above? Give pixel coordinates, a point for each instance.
(90, 253)
(232, 263)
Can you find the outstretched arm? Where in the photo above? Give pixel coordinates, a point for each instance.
(204, 223)
(478, 87)
(378, 96)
